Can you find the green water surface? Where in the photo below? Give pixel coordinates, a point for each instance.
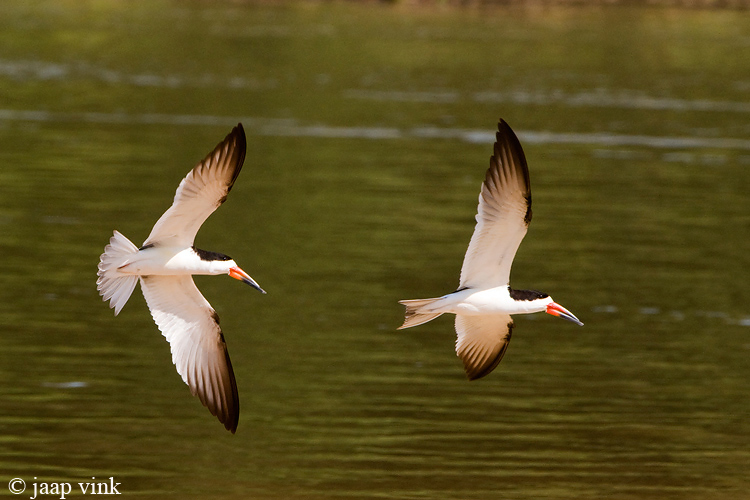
(369, 130)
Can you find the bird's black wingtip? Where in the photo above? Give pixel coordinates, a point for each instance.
(239, 133)
(504, 130)
(508, 145)
(236, 143)
(236, 136)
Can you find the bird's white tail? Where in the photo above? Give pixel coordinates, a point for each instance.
(417, 312)
(112, 284)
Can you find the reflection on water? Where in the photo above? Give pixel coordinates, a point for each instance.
(589, 99)
(289, 127)
(368, 135)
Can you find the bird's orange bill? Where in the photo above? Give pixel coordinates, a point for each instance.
(241, 275)
(556, 309)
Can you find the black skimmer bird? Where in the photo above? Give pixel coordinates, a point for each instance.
(164, 265)
(484, 301)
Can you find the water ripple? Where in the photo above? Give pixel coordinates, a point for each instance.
(290, 127)
(597, 98)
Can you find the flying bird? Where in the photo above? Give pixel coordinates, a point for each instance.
(164, 265)
(484, 301)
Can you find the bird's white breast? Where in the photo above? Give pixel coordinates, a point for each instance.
(495, 300)
(172, 261)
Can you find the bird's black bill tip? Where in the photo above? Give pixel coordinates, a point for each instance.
(253, 284)
(241, 275)
(556, 309)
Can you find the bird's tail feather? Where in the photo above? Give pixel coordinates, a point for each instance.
(417, 312)
(113, 285)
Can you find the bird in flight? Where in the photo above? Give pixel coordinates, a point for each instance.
(164, 265)
(484, 301)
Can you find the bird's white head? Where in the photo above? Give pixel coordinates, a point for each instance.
(531, 301)
(218, 263)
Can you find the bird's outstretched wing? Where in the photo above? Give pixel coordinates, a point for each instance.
(482, 341)
(201, 192)
(503, 215)
(199, 352)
